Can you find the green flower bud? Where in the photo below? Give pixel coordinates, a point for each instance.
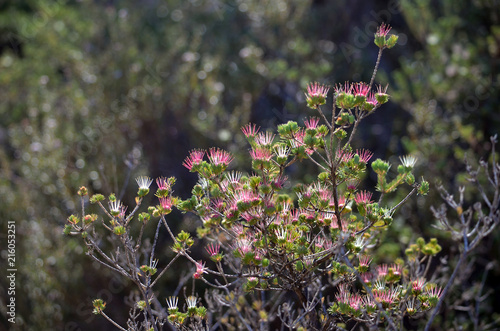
(96, 198)
(392, 41)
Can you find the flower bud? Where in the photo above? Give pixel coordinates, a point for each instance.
(424, 188)
(382, 97)
(119, 230)
(82, 191)
(67, 229)
(73, 220)
(379, 40)
(316, 95)
(380, 167)
(392, 41)
(99, 306)
(88, 219)
(96, 198)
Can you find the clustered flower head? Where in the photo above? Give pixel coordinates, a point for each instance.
(143, 182)
(172, 304)
(117, 209)
(316, 95)
(381, 38)
(164, 186)
(250, 130)
(218, 156)
(194, 159)
(352, 95)
(165, 206)
(214, 252)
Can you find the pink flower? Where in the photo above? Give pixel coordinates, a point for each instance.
(334, 224)
(396, 269)
(371, 102)
(217, 204)
(382, 270)
(195, 157)
(265, 139)
(383, 30)
(345, 89)
(231, 209)
(343, 294)
(434, 292)
(245, 196)
(361, 89)
(316, 95)
(311, 122)
(366, 277)
(352, 184)
(238, 229)
(254, 215)
(259, 254)
(166, 204)
(213, 249)
(364, 155)
(386, 296)
(344, 156)
(355, 301)
(200, 270)
(250, 130)
(218, 156)
(261, 154)
(244, 246)
(163, 184)
(325, 195)
(315, 89)
(418, 285)
(363, 197)
(368, 302)
(279, 181)
(364, 261)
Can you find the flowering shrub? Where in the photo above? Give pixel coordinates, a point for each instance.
(293, 253)
(319, 243)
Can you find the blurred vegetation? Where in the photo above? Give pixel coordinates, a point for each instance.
(450, 86)
(97, 92)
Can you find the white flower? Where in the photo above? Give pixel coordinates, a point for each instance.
(115, 206)
(379, 285)
(360, 242)
(282, 151)
(191, 302)
(172, 302)
(408, 161)
(144, 182)
(234, 177)
(281, 233)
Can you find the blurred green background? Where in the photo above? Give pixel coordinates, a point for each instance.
(96, 93)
